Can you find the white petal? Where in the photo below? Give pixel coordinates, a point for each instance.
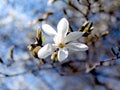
(62, 27)
(73, 36)
(62, 54)
(77, 47)
(49, 30)
(46, 51)
(58, 39)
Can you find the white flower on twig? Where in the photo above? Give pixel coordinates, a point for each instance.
(62, 41)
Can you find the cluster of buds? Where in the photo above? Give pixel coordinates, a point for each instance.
(35, 47)
(87, 27)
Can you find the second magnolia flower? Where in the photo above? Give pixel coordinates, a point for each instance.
(63, 42)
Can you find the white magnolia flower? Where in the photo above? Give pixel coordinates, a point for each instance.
(62, 41)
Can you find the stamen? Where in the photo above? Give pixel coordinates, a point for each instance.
(61, 45)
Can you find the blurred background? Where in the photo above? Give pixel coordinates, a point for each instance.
(19, 20)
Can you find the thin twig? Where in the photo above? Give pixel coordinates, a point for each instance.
(88, 10)
(73, 6)
(101, 63)
(11, 75)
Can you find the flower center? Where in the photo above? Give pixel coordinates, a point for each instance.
(61, 45)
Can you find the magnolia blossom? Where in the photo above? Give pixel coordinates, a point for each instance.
(63, 42)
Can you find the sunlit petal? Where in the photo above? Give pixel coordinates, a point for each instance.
(48, 30)
(56, 39)
(62, 27)
(73, 36)
(77, 47)
(62, 54)
(46, 51)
